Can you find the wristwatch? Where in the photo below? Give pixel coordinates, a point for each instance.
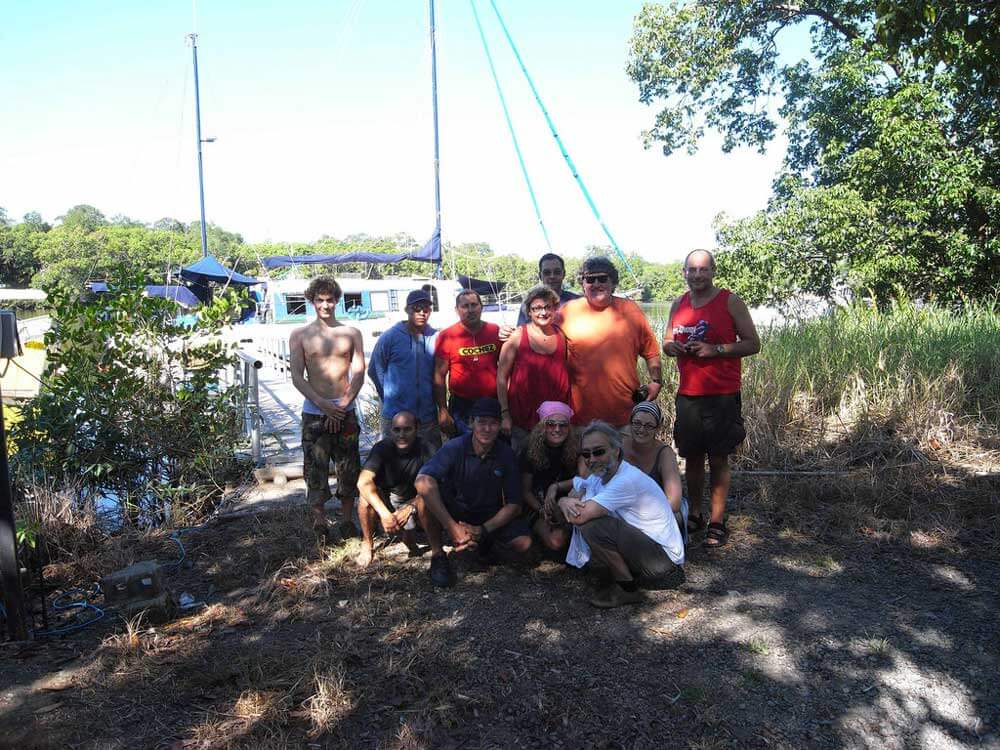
(720, 349)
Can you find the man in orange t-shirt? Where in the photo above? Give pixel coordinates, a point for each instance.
(606, 335)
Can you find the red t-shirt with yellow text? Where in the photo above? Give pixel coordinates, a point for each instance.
(472, 359)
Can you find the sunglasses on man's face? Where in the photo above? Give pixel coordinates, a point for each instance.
(597, 278)
(595, 453)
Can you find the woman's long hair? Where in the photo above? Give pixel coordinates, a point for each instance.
(538, 456)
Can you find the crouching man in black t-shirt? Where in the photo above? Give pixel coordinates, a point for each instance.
(385, 485)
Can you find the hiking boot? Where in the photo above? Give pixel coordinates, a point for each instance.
(440, 571)
(614, 595)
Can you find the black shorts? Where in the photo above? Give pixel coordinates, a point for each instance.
(710, 425)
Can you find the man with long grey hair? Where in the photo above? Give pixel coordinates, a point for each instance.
(622, 522)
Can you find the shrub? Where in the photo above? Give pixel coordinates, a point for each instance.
(131, 407)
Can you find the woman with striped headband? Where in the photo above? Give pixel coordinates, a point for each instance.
(644, 451)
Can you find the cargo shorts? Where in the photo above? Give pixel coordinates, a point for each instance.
(320, 445)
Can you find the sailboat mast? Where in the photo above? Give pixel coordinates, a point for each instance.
(197, 121)
(437, 146)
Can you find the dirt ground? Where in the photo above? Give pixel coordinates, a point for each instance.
(779, 640)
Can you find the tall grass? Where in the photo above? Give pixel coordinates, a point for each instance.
(904, 403)
(920, 375)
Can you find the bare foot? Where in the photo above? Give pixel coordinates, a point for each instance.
(365, 556)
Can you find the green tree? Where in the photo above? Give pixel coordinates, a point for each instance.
(168, 224)
(34, 220)
(890, 179)
(84, 217)
(221, 243)
(71, 256)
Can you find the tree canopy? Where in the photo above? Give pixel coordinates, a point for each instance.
(890, 180)
(84, 246)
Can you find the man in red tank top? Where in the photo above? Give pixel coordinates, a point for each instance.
(710, 331)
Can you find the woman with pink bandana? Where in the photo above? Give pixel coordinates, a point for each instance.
(549, 456)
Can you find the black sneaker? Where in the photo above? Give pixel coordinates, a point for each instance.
(440, 571)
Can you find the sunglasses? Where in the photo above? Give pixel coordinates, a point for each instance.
(597, 278)
(541, 308)
(596, 453)
(557, 425)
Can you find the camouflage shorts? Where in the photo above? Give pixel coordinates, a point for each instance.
(319, 446)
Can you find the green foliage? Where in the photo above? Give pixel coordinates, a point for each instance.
(132, 404)
(87, 247)
(890, 351)
(891, 178)
(26, 534)
(957, 33)
(72, 255)
(83, 217)
(19, 253)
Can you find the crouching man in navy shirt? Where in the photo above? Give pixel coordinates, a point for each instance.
(471, 489)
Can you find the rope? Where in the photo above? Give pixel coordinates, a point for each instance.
(510, 126)
(562, 148)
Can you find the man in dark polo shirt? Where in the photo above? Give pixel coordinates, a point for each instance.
(385, 485)
(471, 489)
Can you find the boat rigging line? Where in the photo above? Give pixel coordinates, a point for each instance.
(510, 126)
(562, 148)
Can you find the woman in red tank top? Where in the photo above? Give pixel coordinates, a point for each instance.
(532, 366)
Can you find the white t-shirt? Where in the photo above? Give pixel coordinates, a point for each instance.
(633, 497)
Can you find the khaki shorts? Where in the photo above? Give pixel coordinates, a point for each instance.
(319, 446)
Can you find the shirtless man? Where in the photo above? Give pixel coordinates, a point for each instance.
(328, 369)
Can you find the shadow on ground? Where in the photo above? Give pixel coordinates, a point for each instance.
(778, 640)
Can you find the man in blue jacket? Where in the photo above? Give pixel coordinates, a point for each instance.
(402, 369)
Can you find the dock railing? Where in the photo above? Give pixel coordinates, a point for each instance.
(274, 349)
(244, 375)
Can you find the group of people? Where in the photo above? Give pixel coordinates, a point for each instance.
(498, 439)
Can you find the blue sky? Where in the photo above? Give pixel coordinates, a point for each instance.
(322, 115)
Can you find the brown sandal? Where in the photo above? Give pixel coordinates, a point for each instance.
(716, 536)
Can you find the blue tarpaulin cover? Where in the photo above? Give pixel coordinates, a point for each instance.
(430, 253)
(481, 286)
(209, 269)
(179, 294)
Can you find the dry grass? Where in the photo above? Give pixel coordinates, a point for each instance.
(899, 407)
(330, 701)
